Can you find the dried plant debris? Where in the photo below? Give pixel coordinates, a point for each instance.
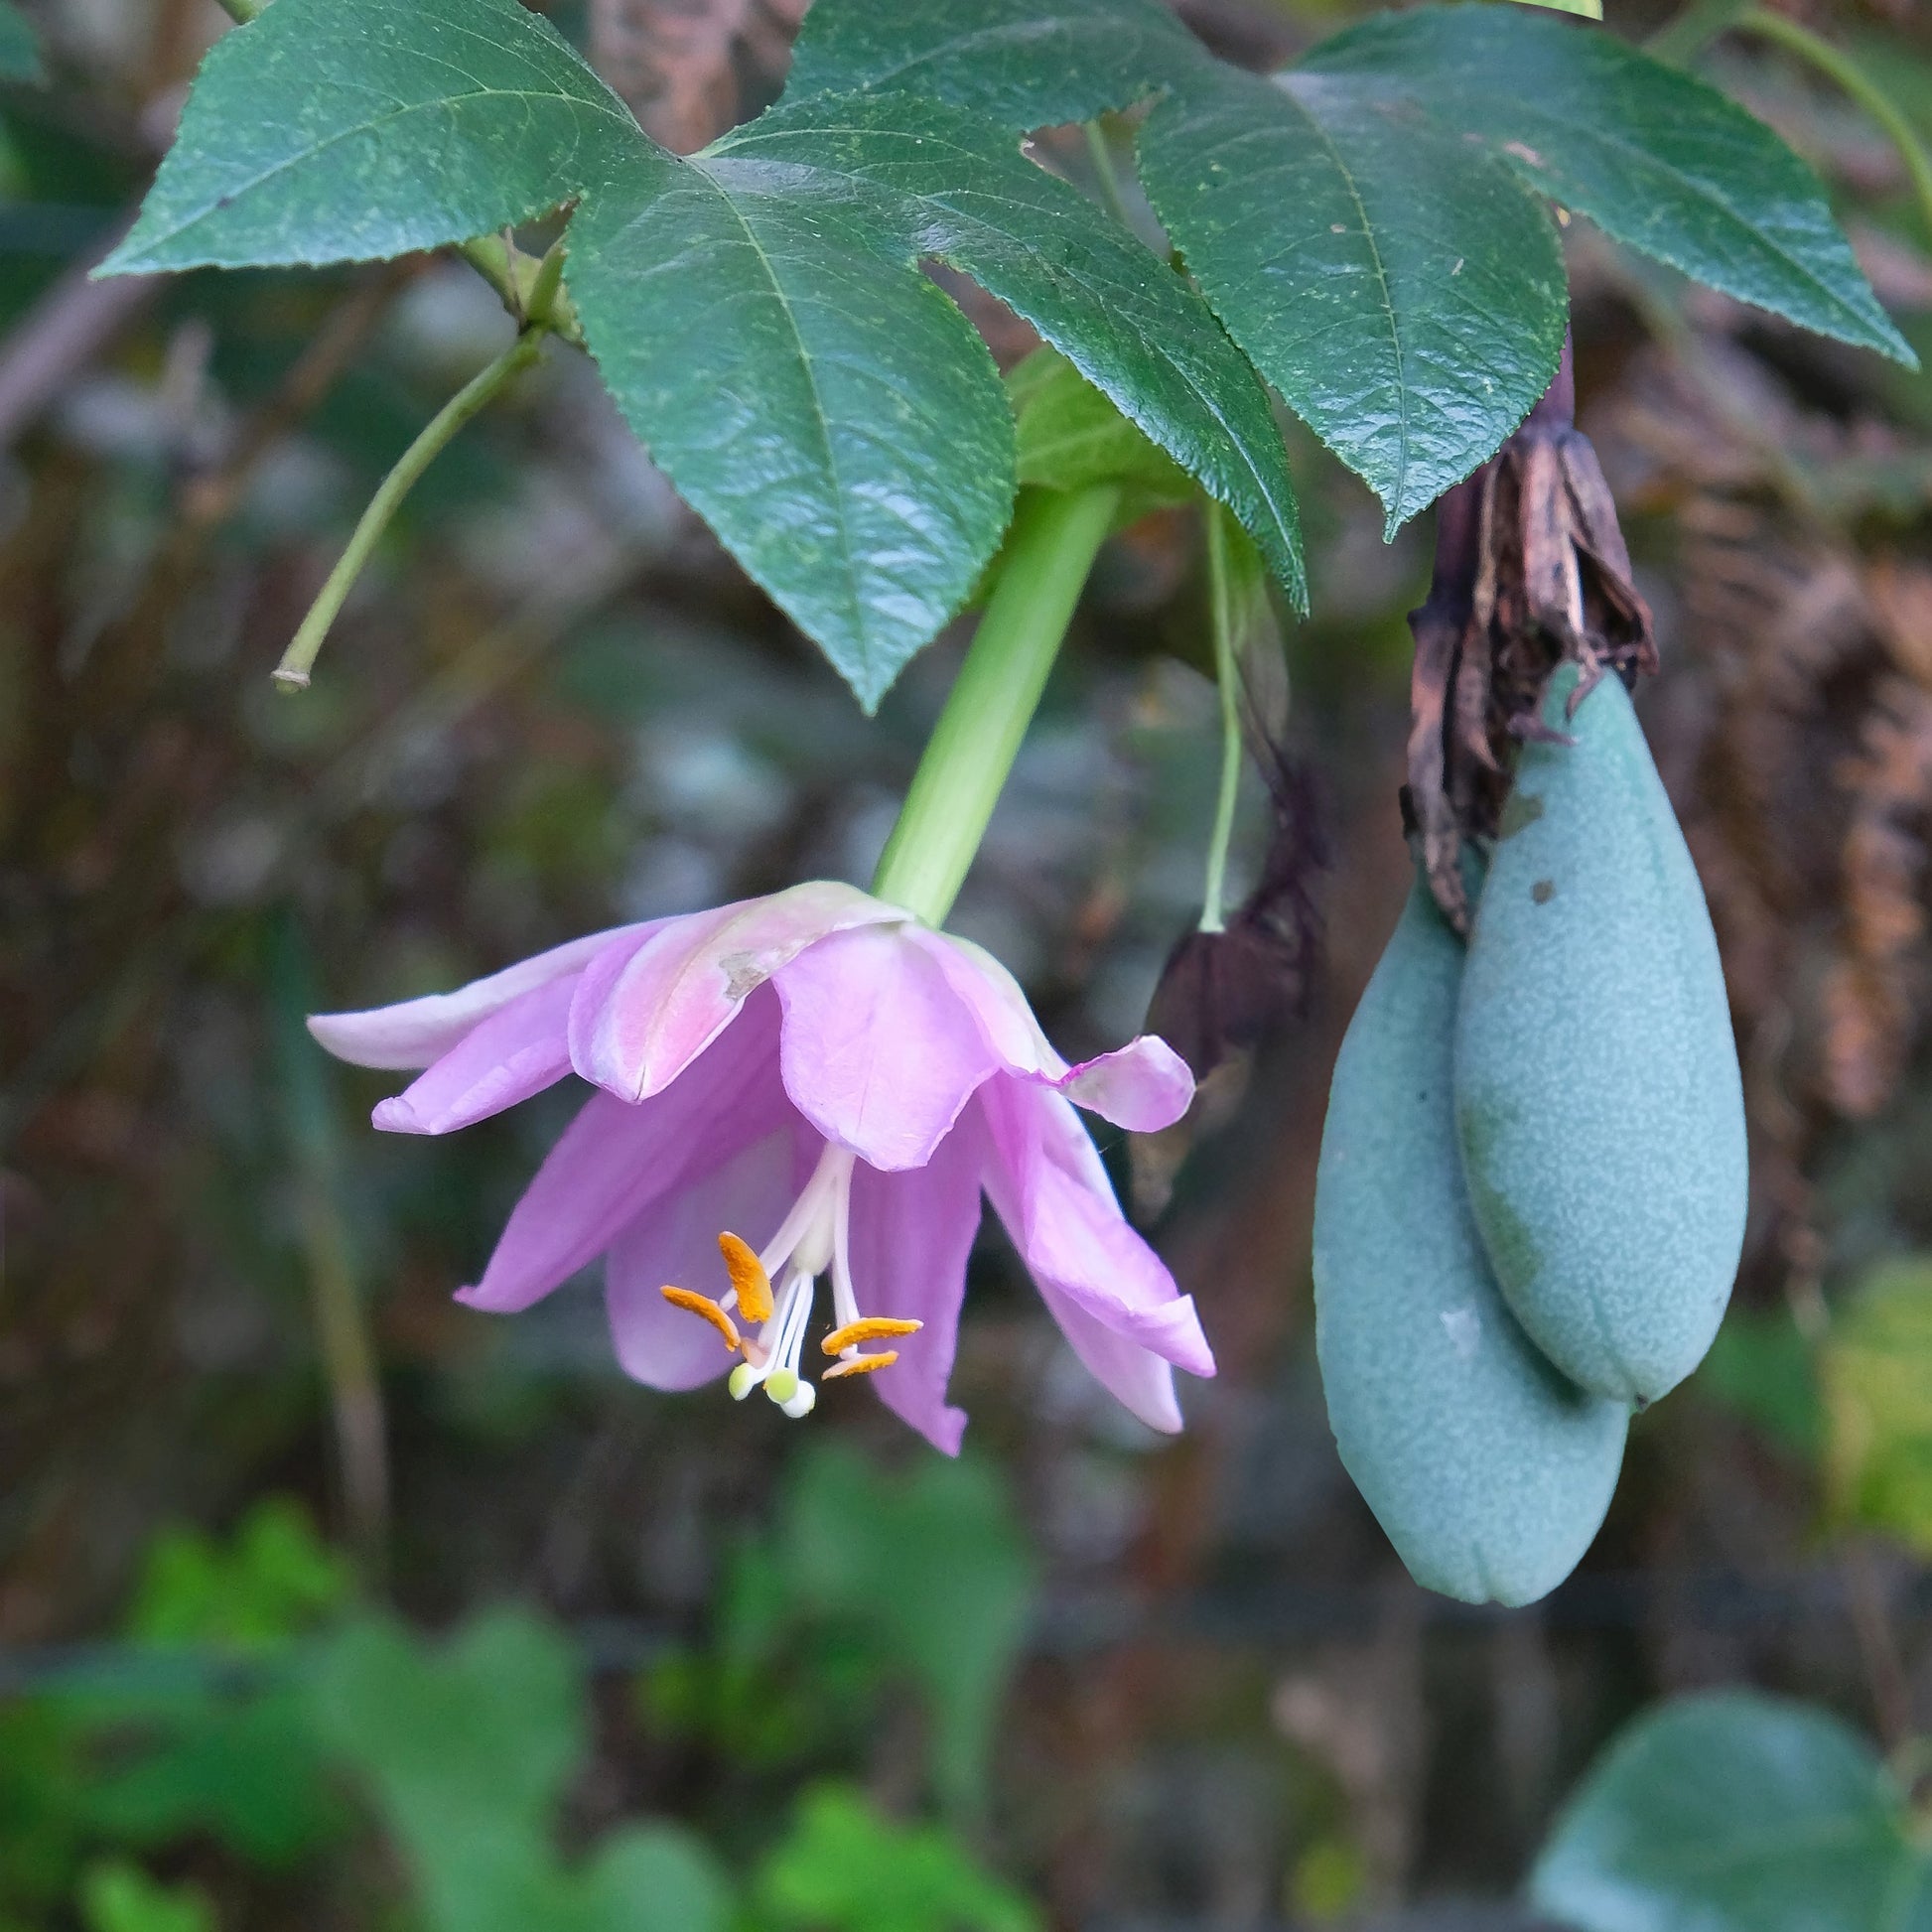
(691, 69)
(1531, 571)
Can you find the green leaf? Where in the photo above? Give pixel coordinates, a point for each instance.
(1402, 291)
(1071, 437)
(1734, 1813)
(1654, 157)
(1024, 64)
(117, 1896)
(933, 1566)
(844, 1869)
(346, 130)
(960, 192)
(1876, 1370)
(822, 405)
(467, 1747)
(1760, 1367)
(652, 1879)
(20, 48)
(276, 1580)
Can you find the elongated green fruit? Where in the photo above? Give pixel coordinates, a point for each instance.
(1489, 1470)
(1597, 1098)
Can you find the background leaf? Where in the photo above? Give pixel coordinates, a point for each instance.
(1734, 1811)
(1654, 157)
(1069, 436)
(355, 130)
(1876, 1372)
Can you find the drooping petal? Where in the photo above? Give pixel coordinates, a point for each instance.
(676, 1240)
(518, 1050)
(1139, 1379)
(417, 1033)
(879, 1054)
(619, 1157)
(910, 1235)
(1047, 1183)
(639, 1022)
(1141, 1086)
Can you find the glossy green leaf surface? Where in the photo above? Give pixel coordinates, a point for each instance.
(1024, 64)
(1654, 157)
(1734, 1811)
(355, 129)
(1404, 293)
(962, 193)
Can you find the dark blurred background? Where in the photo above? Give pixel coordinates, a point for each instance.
(1088, 1678)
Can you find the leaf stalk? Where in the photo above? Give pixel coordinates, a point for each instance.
(1226, 678)
(474, 396)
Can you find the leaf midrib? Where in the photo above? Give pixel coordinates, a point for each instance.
(1401, 493)
(855, 612)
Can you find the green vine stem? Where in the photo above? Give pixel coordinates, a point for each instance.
(475, 396)
(1055, 539)
(1226, 677)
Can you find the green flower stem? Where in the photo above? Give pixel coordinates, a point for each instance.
(1055, 539)
(1846, 73)
(475, 396)
(1226, 676)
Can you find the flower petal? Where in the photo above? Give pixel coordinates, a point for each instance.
(1139, 1379)
(877, 1052)
(676, 1240)
(417, 1033)
(641, 1021)
(1141, 1086)
(910, 1235)
(619, 1157)
(518, 1050)
(1047, 1183)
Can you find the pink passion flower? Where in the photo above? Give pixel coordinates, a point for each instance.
(811, 1086)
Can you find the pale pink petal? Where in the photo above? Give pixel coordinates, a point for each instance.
(618, 1156)
(911, 1236)
(418, 1032)
(1141, 1086)
(518, 1050)
(676, 1240)
(634, 1029)
(1139, 1379)
(1046, 1181)
(877, 1052)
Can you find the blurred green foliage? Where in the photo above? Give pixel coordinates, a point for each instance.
(1878, 1383)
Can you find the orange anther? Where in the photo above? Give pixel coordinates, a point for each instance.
(748, 1277)
(861, 1364)
(703, 1306)
(868, 1327)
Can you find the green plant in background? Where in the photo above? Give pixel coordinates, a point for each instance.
(255, 1696)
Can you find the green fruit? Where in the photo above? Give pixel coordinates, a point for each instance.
(1598, 1097)
(1489, 1473)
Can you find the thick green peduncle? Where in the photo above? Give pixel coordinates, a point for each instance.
(1055, 539)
